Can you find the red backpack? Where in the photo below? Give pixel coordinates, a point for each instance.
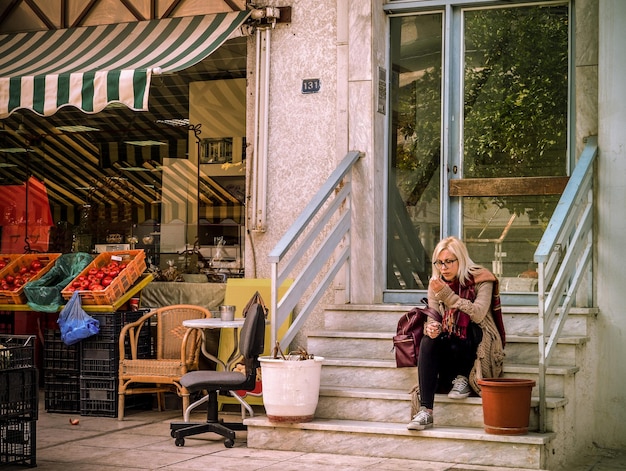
(409, 333)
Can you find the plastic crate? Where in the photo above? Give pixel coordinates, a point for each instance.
(98, 397)
(18, 296)
(111, 325)
(18, 442)
(99, 359)
(62, 393)
(58, 357)
(135, 265)
(19, 393)
(17, 351)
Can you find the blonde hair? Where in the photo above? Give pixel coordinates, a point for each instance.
(459, 250)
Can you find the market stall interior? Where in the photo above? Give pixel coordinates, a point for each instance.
(170, 180)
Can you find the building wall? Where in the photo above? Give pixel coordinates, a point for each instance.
(609, 405)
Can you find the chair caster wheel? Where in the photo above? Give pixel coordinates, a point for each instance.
(173, 433)
(179, 442)
(229, 443)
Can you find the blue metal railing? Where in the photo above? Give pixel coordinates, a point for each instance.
(564, 257)
(313, 251)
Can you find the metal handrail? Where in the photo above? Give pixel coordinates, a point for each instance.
(313, 251)
(564, 258)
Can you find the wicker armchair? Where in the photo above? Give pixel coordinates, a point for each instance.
(177, 352)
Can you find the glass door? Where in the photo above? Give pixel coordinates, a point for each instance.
(478, 137)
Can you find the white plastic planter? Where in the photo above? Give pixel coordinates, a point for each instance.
(290, 388)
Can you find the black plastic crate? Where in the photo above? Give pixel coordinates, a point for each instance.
(62, 393)
(111, 324)
(18, 442)
(17, 351)
(99, 358)
(98, 397)
(59, 357)
(19, 393)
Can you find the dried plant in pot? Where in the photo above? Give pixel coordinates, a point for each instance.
(291, 385)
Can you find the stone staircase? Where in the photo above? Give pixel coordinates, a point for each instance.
(365, 404)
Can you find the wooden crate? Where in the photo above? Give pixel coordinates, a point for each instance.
(18, 296)
(136, 265)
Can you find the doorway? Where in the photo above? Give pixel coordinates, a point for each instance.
(478, 143)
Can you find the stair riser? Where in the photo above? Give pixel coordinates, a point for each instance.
(403, 379)
(387, 321)
(332, 347)
(382, 349)
(527, 324)
(423, 446)
(451, 414)
(528, 354)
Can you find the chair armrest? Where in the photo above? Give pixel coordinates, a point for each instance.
(191, 335)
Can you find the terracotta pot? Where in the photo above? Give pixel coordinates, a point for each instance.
(506, 405)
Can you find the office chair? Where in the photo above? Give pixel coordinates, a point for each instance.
(251, 345)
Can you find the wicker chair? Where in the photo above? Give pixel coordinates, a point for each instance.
(177, 352)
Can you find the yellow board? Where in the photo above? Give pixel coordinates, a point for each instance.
(239, 291)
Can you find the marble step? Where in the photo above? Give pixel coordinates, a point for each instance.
(354, 372)
(468, 446)
(379, 345)
(392, 405)
(518, 320)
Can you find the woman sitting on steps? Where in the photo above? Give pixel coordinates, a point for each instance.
(469, 343)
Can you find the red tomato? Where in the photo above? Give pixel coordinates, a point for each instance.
(23, 270)
(93, 271)
(36, 265)
(106, 281)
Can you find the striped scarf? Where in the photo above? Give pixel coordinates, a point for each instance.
(455, 321)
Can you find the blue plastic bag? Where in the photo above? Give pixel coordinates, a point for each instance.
(75, 324)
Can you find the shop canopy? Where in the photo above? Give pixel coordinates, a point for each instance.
(93, 66)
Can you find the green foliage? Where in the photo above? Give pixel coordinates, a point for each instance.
(515, 104)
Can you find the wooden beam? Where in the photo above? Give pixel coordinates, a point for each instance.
(83, 14)
(172, 8)
(133, 10)
(515, 186)
(8, 10)
(41, 15)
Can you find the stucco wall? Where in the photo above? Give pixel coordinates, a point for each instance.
(609, 408)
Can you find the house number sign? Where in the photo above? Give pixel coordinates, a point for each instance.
(311, 85)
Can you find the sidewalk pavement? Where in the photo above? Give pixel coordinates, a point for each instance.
(142, 441)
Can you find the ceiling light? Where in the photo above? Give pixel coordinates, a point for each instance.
(145, 143)
(135, 169)
(177, 122)
(14, 150)
(5, 165)
(76, 128)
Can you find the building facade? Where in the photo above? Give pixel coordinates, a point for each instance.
(332, 78)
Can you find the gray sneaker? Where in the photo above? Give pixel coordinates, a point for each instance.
(460, 388)
(422, 420)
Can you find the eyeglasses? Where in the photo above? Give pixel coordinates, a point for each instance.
(444, 263)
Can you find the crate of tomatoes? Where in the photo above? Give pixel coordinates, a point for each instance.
(21, 270)
(108, 277)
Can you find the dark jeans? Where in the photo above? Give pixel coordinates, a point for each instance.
(441, 360)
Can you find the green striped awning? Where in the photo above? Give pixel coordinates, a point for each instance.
(91, 67)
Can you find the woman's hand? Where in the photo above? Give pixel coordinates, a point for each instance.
(432, 329)
(436, 284)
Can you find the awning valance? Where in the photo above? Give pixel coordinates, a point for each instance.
(91, 67)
